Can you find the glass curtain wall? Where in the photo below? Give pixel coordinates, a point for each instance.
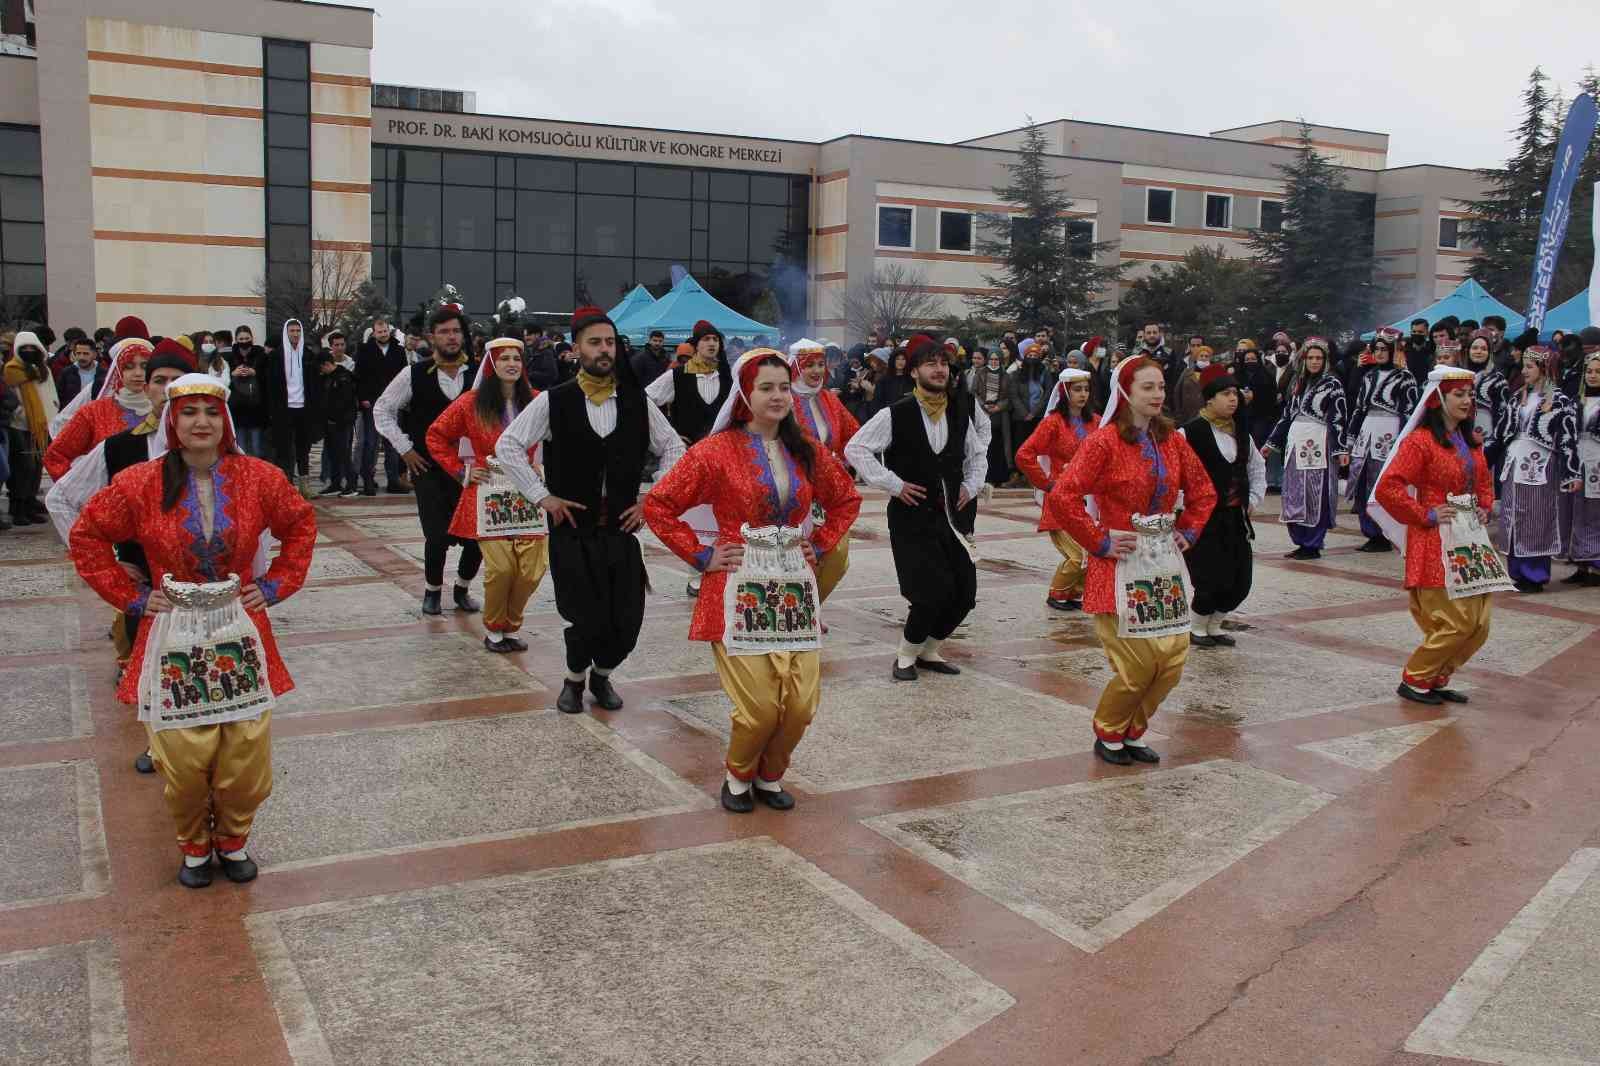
(290, 282)
(22, 293)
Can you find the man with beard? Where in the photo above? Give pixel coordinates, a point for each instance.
(417, 397)
(932, 445)
(381, 359)
(597, 429)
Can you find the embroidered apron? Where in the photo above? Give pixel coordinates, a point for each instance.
(770, 603)
(1472, 566)
(1378, 431)
(1589, 456)
(203, 661)
(1308, 444)
(1152, 583)
(505, 512)
(1527, 461)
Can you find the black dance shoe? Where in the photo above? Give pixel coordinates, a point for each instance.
(905, 673)
(195, 876)
(464, 601)
(145, 763)
(571, 699)
(1145, 755)
(1305, 553)
(430, 601)
(1375, 545)
(1450, 695)
(1426, 696)
(1063, 605)
(239, 871)
(1530, 587)
(1198, 641)
(504, 646)
(778, 801)
(1577, 577)
(604, 694)
(938, 666)
(740, 804)
(394, 488)
(1116, 757)
(370, 490)
(1224, 641)
(515, 643)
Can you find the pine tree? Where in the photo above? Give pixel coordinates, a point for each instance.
(1045, 277)
(1209, 293)
(1317, 272)
(367, 303)
(1504, 225)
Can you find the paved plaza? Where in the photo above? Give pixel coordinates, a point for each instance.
(454, 872)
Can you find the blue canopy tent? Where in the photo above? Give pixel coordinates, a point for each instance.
(676, 313)
(637, 302)
(1568, 317)
(1469, 300)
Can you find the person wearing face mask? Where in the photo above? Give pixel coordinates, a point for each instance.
(1188, 397)
(381, 358)
(1309, 435)
(822, 415)
(28, 376)
(245, 401)
(292, 387)
(988, 390)
(211, 359)
(1540, 463)
(340, 407)
(1384, 400)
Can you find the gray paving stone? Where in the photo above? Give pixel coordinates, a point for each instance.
(61, 1006)
(665, 650)
(410, 667)
(1009, 613)
(329, 563)
(33, 581)
(44, 627)
(374, 606)
(1518, 643)
(402, 788)
(52, 839)
(668, 959)
(26, 544)
(44, 703)
(1374, 750)
(1088, 862)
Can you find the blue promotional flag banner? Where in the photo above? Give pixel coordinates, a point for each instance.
(1575, 137)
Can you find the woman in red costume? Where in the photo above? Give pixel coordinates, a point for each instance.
(1438, 458)
(1043, 458)
(515, 561)
(199, 513)
(822, 414)
(1134, 466)
(121, 405)
(759, 473)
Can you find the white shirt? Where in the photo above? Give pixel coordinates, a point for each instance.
(1255, 466)
(294, 376)
(532, 427)
(397, 397)
(68, 497)
(872, 439)
(661, 392)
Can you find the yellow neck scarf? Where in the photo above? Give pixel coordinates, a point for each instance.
(932, 402)
(18, 378)
(150, 423)
(598, 390)
(1224, 424)
(701, 364)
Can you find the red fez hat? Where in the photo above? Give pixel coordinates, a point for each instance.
(920, 347)
(1216, 378)
(587, 316)
(168, 346)
(131, 326)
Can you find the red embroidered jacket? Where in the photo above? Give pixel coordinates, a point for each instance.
(459, 420)
(1127, 479)
(842, 425)
(730, 471)
(95, 421)
(1433, 472)
(252, 496)
(1057, 439)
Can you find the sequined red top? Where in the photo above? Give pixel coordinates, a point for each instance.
(1127, 479)
(842, 425)
(251, 497)
(95, 421)
(459, 420)
(731, 472)
(1057, 439)
(1434, 472)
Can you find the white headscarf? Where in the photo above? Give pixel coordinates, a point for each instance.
(1064, 382)
(725, 415)
(109, 388)
(804, 344)
(1392, 527)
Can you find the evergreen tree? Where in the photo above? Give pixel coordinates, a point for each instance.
(1046, 278)
(1504, 225)
(366, 303)
(1317, 272)
(1208, 292)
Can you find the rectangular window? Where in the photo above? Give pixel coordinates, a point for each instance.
(955, 231)
(1080, 237)
(895, 226)
(1449, 233)
(1219, 211)
(1158, 206)
(1272, 216)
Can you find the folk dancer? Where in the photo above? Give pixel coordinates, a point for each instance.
(1043, 459)
(597, 429)
(1384, 401)
(462, 442)
(1540, 463)
(121, 405)
(1309, 434)
(1491, 398)
(761, 473)
(408, 406)
(1583, 544)
(933, 445)
(822, 415)
(199, 514)
(1438, 457)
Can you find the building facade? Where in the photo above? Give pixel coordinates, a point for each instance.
(185, 161)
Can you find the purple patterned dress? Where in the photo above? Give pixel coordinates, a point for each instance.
(1541, 459)
(1311, 497)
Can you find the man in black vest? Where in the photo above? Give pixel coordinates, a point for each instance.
(403, 414)
(597, 430)
(1220, 562)
(381, 359)
(693, 393)
(934, 445)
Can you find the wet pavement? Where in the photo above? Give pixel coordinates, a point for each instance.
(453, 872)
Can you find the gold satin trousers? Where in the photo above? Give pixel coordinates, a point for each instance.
(1144, 669)
(217, 777)
(774, 696)
(1452, 632)
(512, 570)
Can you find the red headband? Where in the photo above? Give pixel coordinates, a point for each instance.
(809, 357)
(1128, 369)
(752, 364)
(170, 422)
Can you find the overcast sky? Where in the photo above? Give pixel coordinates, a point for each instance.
(1442, 79)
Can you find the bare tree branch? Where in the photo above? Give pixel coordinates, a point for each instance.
(894, 300)
(320, 297)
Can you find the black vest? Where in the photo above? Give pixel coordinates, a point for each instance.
(911, 458)
(1231, 480)
(123, 450)
(577, 460)
(428, 402)
(691, 415)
